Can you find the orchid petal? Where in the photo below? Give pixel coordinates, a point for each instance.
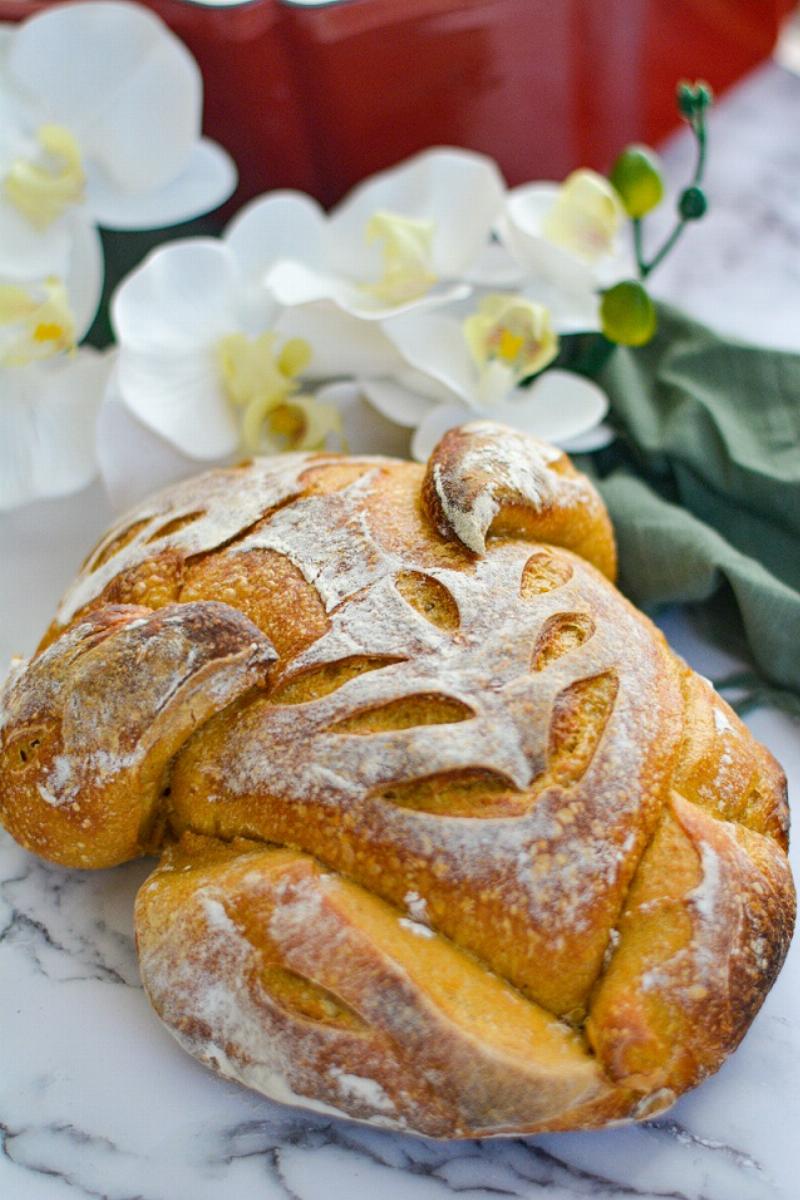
(340, 344)
(206, 181)
(461, 192)
(28, 253)
(587, 216)
(47, 427)
(298, 283)
(435, 425)
(496, 382)
(183, 296)
(397, 403)
(294, 283)
(434, 344)
(114, 74)
(570, 311)
(133, 460)
(178, 394)
(495, 268)
(170, 317)
(84, 276)
(558, 406)
(280, 225)
(520, 228)
(365, 430)
(521, 231)
(594, 439)
(509, 338)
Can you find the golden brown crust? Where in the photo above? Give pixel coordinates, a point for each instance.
(511, 865)
(581, 784)
(338, 1001)
(91, 725)
(705, 930)
(722, 768)
(484, 478)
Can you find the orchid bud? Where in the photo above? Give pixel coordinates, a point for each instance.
(627, 314)
(692, 204)
(636, 175)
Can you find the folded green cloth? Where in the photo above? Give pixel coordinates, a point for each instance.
(704, 485)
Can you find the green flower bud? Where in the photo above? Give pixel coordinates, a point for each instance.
(627, 314)
(704, 95)
(692, 203)
(636, 175)
(693, 98)
(685, 98)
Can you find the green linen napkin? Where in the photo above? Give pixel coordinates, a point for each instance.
(704, 485)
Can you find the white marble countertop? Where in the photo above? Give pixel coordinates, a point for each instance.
(96, 1100)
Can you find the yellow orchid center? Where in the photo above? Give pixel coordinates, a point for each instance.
(302, 423)
(407, 256)
(509, 338)
(35, 323)
(43, 188)
(586, 216)
(261, 382)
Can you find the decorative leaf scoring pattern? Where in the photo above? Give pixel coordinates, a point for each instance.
(328, 792)
(320, 681)
(488, 742)
(302, 997)
(407, 713)
(112, 545)
(563, 632)
(542, 573)
(580, 715)
(428, 597)
(401, 627)
(469, 793)
(173, 526)
(231, 501)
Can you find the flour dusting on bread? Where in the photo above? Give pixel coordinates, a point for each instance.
(452, 842)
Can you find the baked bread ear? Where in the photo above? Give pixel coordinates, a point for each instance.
(484, 478)
(92, 725)
(451, 841)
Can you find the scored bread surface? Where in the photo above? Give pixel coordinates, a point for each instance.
(451, 841)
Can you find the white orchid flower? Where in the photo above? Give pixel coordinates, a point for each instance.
(50, 395)
(136, 462)
(199, 362)
(67, 247)
(403, 239)
(456, 371)
(100, 108)
(210, 366)
(568, 239)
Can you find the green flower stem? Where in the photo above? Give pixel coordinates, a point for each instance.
(646, 268)
(697, 123)
(638, 246)
(699, 127)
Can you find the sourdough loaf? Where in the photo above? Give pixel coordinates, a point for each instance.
(450, 841)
